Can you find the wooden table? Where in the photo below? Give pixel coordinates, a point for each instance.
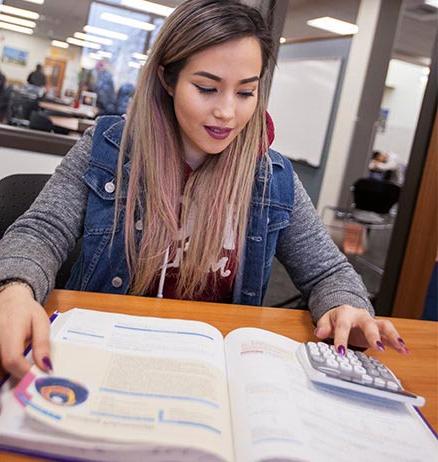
(418, 371)
(72, 123)
(83, 111)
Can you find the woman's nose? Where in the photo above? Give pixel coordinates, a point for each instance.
(225, 109)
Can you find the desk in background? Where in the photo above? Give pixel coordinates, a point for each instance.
(72, 124)
(417, 371)
(83, 111)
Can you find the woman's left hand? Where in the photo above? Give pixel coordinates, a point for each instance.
(355, 326)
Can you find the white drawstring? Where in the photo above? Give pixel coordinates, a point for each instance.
(163, 274)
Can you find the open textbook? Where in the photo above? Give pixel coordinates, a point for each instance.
(130, 388)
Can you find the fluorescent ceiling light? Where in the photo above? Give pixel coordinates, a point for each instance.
(149, 7)
(83, 43)
(140, 56)
(104, 54)
(135, 64)
(59, 44)
(105, 33)
(334, 25)
(18, 21)
(15, 28)
(19, 12)
(93, 38)
(38, 2)
(95, 56)
(127, 21)
(433, 3)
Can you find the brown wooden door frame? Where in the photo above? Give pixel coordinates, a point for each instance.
(422, 245)
(413, 246)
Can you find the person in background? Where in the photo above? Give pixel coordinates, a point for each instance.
(183, 198)
(4, 96)
(37, 77)
(124, 97)
(2, 82)
(103, 85)
(386, 166)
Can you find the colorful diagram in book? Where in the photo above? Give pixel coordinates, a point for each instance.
(58, 391)
(61, 391)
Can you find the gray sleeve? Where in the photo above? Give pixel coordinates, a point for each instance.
(314, 263)
(35, 246)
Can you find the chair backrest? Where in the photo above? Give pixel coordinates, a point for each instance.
(17, 193)
(21, 105)
(375, 195)
(40, 121)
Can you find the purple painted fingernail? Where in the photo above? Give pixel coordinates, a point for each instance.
(401, 341)
(341, 350)
(380, 345)
(47, 363)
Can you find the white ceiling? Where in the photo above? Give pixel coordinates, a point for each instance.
(61, 18)
(415, 36)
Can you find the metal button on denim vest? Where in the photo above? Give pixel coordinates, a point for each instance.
(102, 265)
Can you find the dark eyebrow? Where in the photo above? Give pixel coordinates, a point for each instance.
(218, 79)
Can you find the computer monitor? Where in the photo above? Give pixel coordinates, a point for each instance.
(88, 98)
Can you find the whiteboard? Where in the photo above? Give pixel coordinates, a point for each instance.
(300, 104)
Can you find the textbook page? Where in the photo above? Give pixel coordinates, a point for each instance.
(132, 379)
(279, 415)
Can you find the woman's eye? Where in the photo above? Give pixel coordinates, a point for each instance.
(204, 89)
(207, 90)
(246, 94)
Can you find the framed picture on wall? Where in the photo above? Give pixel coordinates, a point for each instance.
(14, 56)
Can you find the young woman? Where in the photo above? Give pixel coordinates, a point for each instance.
(183, 198)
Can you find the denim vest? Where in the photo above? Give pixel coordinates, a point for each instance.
(102, 267)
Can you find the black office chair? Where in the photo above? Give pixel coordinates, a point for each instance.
(20, 106)
(40, 121)
(17, 193)
(353, 228)
(371, 203)
(375, 195)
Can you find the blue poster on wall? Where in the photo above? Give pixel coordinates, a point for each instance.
(14, 56)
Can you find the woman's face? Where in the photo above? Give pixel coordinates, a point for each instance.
(216, 95)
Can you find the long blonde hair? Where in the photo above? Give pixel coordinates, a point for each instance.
(152, 141)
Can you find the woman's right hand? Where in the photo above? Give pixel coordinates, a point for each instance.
(22, 320)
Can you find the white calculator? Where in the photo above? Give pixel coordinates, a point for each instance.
(354, 371)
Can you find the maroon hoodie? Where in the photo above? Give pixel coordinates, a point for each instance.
(224, 269)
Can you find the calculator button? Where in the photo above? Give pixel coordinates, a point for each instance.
(359, 370)
(318, 359)
(312, 345)
(373, 372)
(332, 363)
(386, 374)
(323, 346)
(346, 367)
(329, 370)
(379, 382)
(392, 385)
(355, 362)
(367, 379)
(328, 354)
(315, 354)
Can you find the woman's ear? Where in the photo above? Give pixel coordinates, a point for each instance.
(163, 82)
